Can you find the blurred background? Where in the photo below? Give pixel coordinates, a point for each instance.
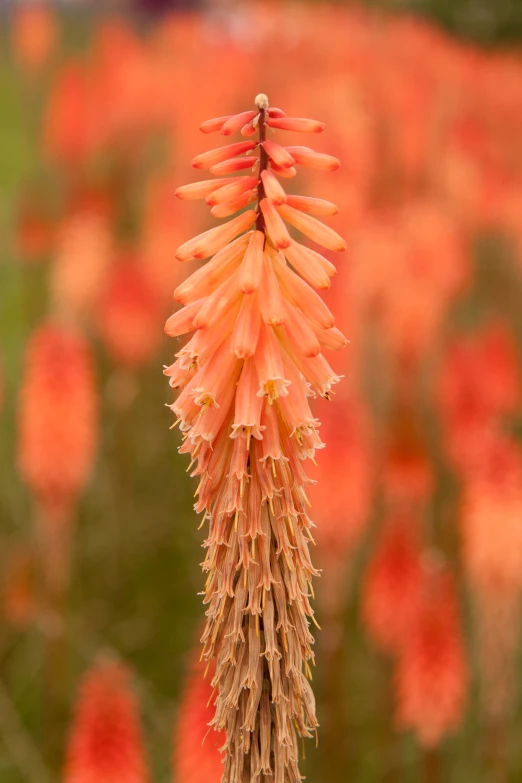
(418, 503)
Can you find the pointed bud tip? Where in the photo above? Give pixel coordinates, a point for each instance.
(261, 101)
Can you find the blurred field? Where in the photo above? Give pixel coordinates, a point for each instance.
(99, 123)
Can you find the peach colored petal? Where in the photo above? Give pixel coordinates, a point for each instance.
(307, 266)
(249, 129)
(210, 158)
(201, 189)
(300, 334)
(287, 173)
(236, 122)
(183, 321)
(312, 228)
(273, 111)
(251, 268)
(273, 188)
(304, 297)
(304, 156)
(313, 206)
(209, 423)
(318, 373)
(278, 154)
(218, 303)
(246, 331)
(213, 125)
(233, 165)
(270, 299)
(333, 338)
(215, 239)
(271, 444)
(231, 191)
(277, 230)
(269, 364)
(294, 406)
(247, 416)
(231, 207)
(210, 382)
(204, 280)
(297, 124)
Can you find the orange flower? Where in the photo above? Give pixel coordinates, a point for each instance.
(246, 376)
(34, 36)
(478, 385)
(431, 674)
(424, 247)
(58, 433)
(81, 264)
(196, 748)
(129, 314)
(392, 585)
(492, 519)
(407, 472)
(73, 127)
(105, 744)
(58, 417)
(491, 534)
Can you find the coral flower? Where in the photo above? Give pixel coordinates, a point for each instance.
(58, 416)
(196, 749)
(246, 376)
(478, 384)
(391, 590)
(81, 264)
(129, 314)
(58, 433)
(431, 675)
(34, 36)
(106, 744)
(73, 125)
(491, 522)
(491, 528)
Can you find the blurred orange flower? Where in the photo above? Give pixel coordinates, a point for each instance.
(81, 265)
(58, 417)
(431, 673)
(129, 314)
(393, 581)
(478, 385)
(34, 35)
(105, 743)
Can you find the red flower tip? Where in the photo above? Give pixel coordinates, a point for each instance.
(58, 416)
(106, 744)
(432, 673)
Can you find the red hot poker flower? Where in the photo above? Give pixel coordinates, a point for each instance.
(58, 424)
(246, 376)
(34, 36)
(58, 417)
(431, 675)
(393, 583)
(106, 744)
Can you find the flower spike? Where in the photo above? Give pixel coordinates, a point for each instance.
(245, 377)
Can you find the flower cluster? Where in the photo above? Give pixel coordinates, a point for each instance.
(246, 377)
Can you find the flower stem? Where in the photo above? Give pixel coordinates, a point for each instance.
(263, 165)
